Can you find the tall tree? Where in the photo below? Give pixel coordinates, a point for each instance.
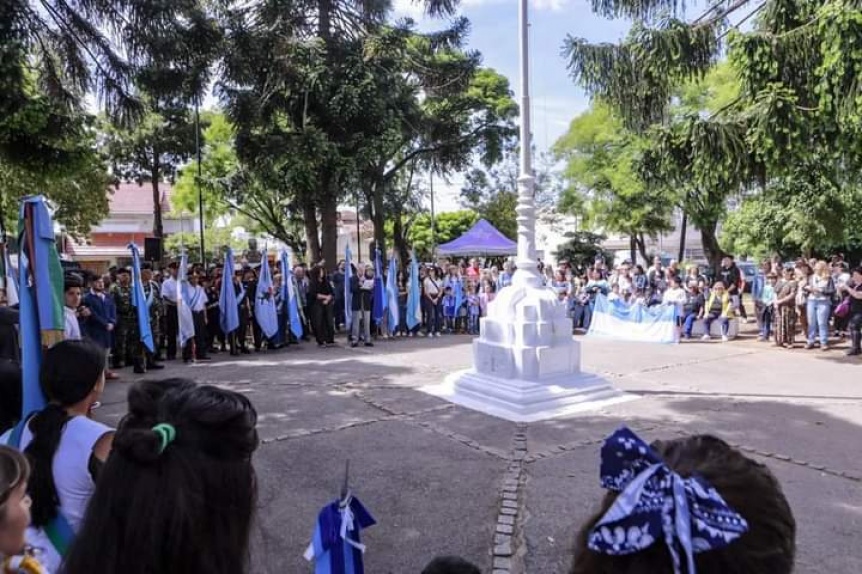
(601, 164)
(797, 103)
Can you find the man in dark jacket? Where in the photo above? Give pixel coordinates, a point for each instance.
(99, 326)
(731, 276)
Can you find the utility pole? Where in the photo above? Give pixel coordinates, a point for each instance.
(198, 182)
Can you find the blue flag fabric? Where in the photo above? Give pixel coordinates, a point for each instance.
(348, 293)
(458, 293)
(139, 301)
(40, 293)
(185, 318)
(392, 295)
(288, 286)
(414, 295)
(639, 323)
(264, 303)
(227, 303)
(379, 302)
(335, 546)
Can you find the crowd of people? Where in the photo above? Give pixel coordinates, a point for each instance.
(454, 296)
(813, 300)
(173, 489)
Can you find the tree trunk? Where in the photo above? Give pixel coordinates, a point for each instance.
(641, 243)
(312, 235)
(633, 250)
(400, 241)
(682, 231)
(158, 225)
(329, 231)
(711, 249)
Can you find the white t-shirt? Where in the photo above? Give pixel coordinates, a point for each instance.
(198, 298)
(72, 331)
(432, 287)
(674, 296)
(169, 289)
(72, 479)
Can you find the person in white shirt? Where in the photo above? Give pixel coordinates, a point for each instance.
(675, 295)
(197, 346)
(432, 294)
(169, 298)
(72, 307)
(65, 447)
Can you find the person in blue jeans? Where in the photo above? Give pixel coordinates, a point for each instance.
(692, 309)
(820, 289)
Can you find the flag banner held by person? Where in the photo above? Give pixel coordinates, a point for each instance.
(335, 546)
(264, 302)
(289, 285)
(639, 323)
(185, 318)
(379, 302)
(392, 295)
(227, 303)
(348, 293)
(41, 297)
(414, 295)
(139, 301)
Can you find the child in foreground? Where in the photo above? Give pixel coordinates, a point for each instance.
(692, 505)
(15, 514)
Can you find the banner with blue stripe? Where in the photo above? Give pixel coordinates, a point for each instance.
(624, 322)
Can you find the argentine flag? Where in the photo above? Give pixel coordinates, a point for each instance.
(414, 295)
(392, 295)
(139, 301)
(348, 292)
(379, 302)
(639, 323)
(264, 301)
(288, 283)
(227, 303)
(184, 311)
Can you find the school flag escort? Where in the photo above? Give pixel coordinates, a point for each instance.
(139, 301)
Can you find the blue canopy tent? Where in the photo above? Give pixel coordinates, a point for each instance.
(482, 239)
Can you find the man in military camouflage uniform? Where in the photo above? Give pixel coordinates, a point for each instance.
(127, 340)
(152, 294)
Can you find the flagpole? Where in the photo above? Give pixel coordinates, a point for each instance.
(358, 239)
(198, 182)
(433, 221)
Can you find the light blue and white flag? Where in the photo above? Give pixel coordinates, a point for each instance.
(414, 295)
(458, 293)
(618, 320)
(227, 304)
(379, 295)
(139, 301)
(264, 302)
(348, 292)
(184, 310)
(288, 285)
(392, 295)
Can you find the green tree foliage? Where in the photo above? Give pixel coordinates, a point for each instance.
(216, 239)
(447, 226)
(152, 151)
(601, 165)
(797, 70)
(581, 249)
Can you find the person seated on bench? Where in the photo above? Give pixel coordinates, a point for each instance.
(717, 307)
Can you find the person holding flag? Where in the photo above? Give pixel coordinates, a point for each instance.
(393, 318)
(414, 296)
(349, 273)
(227, 302)
(185, 317)
(378, 304)
(290, 295)
(264, 302)
(196, 347)
(141, 334)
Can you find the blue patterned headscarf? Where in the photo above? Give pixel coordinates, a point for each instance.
(655, 503)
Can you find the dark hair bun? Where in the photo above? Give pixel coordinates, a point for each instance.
(140, 445)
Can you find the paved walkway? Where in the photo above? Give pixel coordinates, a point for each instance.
(443, 479)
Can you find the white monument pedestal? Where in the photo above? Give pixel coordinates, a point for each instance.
(527, 365)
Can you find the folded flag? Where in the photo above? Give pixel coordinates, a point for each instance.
(139, 301)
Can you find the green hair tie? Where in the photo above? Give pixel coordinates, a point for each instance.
(167, 433)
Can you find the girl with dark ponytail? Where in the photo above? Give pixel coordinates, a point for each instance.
(64, 446)
(178, 492)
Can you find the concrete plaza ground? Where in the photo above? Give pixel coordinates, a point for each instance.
(441, 479)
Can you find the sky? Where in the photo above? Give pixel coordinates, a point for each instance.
(556, 100)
